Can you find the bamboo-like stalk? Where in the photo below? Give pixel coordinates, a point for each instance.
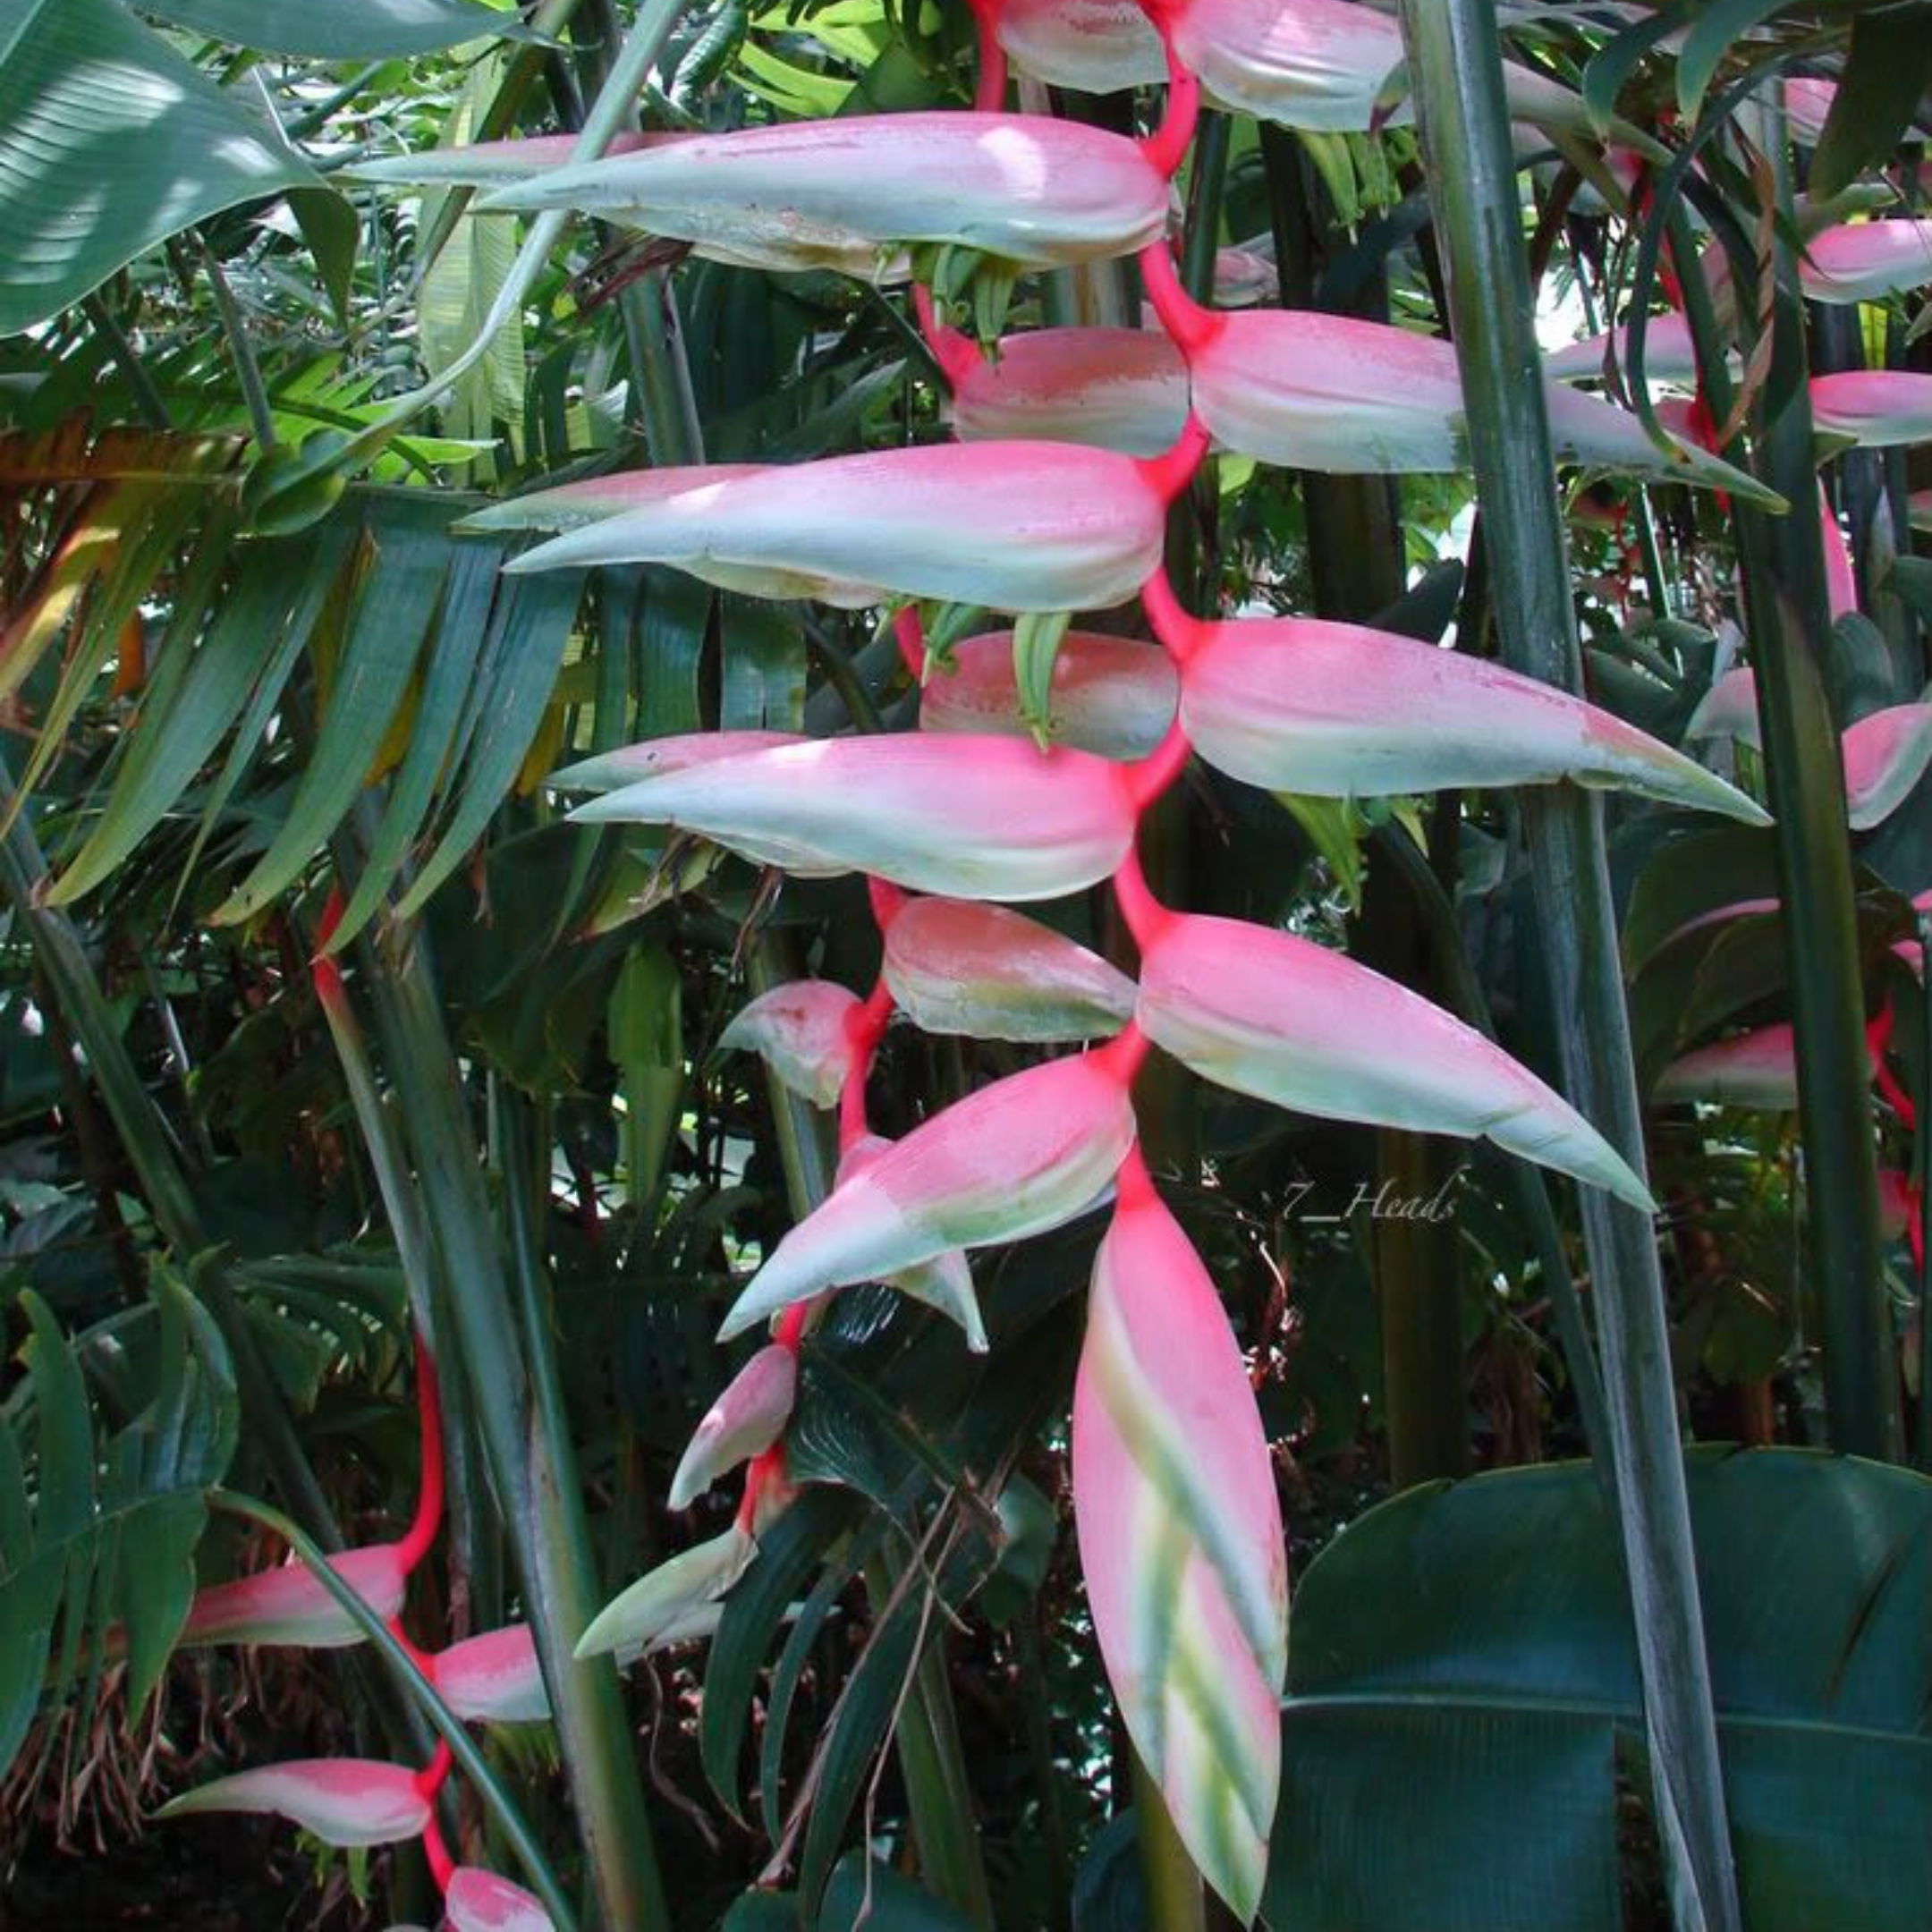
(1456, 60)
(541, 1508)
(1788, 611)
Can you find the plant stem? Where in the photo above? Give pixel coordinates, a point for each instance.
(542, 1509)
(254, 390)
(1455, 59)
(1176, 1899)
(1788, 613)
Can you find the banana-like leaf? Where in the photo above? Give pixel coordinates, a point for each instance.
(1110, 696)
(1181, 1540)
(975, 817)
(802, 1030)
(1027, 1154)
(113, 141)
(494, 1678)
(1336, 710)
(479, 1901)
(1866, 261)
(1758, 1069)
(744, 1421)
(1873, 408)
(345, 1802)
(291, 1605)
(851, 193)
(1011, 526)
(1286, 1020)
(991, 973)
(1463, 1679)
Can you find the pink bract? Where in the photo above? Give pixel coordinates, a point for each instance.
(991, 973)
(745, 1420)
(1181, 1540)
(1022, 1156)
(1343, 711)
(1028, 526)
(291, 1605)
(1866, 261)
(802, 1030)
(343, 1801)
(480, 1901)
(972, 818)
(1289, 1021)
(1111, 695)
(1750, 1070)
(1114, 388)
(849, 191)
(1885, 755)
(494, 1678)
(1874, 409)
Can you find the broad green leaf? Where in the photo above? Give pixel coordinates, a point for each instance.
(341, 29)
(868, 1893)
(1463, 1674)
(113, 142)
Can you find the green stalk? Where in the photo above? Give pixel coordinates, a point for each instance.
(1456, 60)
(542, 1509)
(447, 1726)
(1176, 1901)
(1788, 613)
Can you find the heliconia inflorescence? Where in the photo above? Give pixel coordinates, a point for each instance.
(1036, 764)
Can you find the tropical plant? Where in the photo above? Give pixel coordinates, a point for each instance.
(899, 568)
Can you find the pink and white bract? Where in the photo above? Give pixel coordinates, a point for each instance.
(975, 818)
(1670, 355)
(494, 1678)
(1341, 710)
(1874, 409)
(1885, 755)
(1114, 388)
(1750, 1070)
(677, 1600)
(1181, 1540)
(991, 973)
(479, 1901)
(1013, 526)
(847, 193)
(1027, 1154)
(802, 1030)
(1110, 696)
(1866, 261)
(943, 1281)
(744, 1423)
(1337, 394)
(343, 1801)
(1292, 1022)
(291, 1605)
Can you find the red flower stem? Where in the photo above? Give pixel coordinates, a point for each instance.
(427, 1523)
(1167, 146)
